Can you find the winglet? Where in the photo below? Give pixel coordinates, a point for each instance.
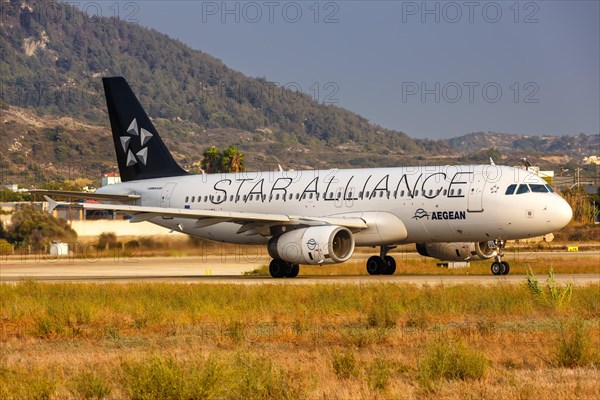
(51, 204)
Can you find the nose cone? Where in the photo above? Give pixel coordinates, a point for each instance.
(562, 214)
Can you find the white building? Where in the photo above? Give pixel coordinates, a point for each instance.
(591, 160)
(111, 179)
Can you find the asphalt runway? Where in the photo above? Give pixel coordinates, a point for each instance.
(219, 270)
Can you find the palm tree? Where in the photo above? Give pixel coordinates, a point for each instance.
(233, 160)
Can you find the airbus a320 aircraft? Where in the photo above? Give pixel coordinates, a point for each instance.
(453, 213)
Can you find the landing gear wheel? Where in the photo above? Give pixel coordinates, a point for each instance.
(293, 272)
(506, 268)
(390, 265)
(498, 268)
(278, 268)
(376, 265)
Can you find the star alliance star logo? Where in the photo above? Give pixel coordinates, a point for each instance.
(494, 189)
(144, 136)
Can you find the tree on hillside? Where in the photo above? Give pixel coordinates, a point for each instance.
(36, 228)
(233, 160)
(211, 163)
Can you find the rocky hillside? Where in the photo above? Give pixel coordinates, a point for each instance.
(53, 123)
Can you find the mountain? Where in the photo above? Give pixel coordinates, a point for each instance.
(576, 146)
(54, 124)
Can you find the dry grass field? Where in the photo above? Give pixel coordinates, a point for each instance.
(176, 341)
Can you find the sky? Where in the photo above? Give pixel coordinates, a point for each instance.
(430, 69)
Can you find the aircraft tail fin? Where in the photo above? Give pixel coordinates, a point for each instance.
(141, 153)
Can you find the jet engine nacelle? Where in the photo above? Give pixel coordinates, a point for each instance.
(460, 251)
(313, 245)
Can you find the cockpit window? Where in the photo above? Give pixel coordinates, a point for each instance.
(550, 188)
(511, 189)
(523, 188)
(538, 188)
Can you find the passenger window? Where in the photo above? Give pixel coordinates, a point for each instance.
(367, 195)
(550, 188)
(430, 192)
(523, 188)
(510, 189)
(416, 193)
(187, 198)
(339, 195)
(360, 194)
(231, 198)
(445, 191)
(538, 188)
(277, 196)
(310, 196)
(380, 194)
(402, 193)
(350, 195)
(297, 196)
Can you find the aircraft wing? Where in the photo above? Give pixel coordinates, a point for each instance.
(125, 198)
(210, 217)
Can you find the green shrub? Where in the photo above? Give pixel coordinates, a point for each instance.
(362, 337)
(91, 386)
(243, 376)
(158, 378)
(257, 378)
(344, 365)
(382, 312)
(379, 374)
(450, 361)
(574, 347)
(25, 384)
(552, 295)
(107, 240)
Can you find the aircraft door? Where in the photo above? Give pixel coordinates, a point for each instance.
(165, 198)
(475, 194)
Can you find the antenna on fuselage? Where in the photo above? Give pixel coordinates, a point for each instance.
(492, 161)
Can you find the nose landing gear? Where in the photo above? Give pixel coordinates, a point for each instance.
(500, 267)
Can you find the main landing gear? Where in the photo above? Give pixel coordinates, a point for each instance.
(382, 264)
(283, 269)
(500, 267)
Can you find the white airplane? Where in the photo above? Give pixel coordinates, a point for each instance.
(453, 213)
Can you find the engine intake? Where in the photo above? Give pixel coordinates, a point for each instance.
(459, 251)
(314, 245)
